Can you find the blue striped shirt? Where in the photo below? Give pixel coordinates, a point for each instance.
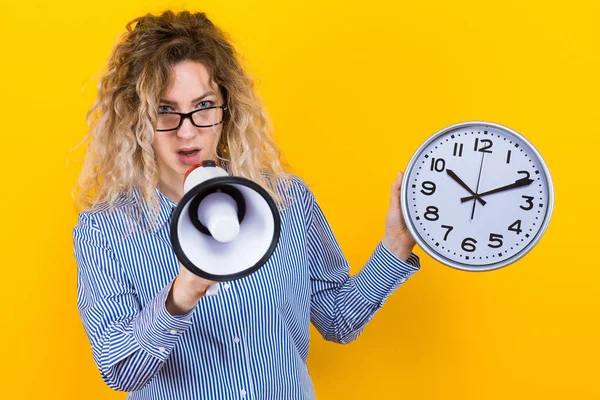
(251, 339)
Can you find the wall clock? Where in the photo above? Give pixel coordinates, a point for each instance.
(477, 196)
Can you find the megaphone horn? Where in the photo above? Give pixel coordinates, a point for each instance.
(224, 227)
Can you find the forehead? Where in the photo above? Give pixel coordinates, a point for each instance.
(189, 78)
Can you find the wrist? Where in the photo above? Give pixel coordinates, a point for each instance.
(182, 298)
(400, 250)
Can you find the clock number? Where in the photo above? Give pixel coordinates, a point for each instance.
(529, 201)
(432, 213)
(438, 164)
(487, 144)
(458, 148)
(468, 244)
(508, 157)
(516, 227)
(449, 229)
(428, 188)
(523, 172)
(494, 237)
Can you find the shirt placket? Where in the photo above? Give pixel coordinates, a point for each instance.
(237, 343)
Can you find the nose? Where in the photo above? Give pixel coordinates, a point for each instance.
(187, 130)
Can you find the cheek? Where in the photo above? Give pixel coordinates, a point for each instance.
(160, 147)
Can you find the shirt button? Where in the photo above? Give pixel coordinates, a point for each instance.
(173, 332)
(226, 286)
(236, 340)
(243, 392)
(162, 349)
(402, 280)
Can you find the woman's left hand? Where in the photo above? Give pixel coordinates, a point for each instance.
(397, 237)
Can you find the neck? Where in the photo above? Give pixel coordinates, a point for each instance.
(173, 191)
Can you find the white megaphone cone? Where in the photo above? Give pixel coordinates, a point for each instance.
(224, 227)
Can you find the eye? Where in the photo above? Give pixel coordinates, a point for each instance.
(162, 109)
(205, 104)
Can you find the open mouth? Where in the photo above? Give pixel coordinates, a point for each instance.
(188, 152)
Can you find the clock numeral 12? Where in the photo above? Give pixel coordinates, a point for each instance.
(487, 145)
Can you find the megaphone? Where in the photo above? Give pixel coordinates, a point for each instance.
(225, 227)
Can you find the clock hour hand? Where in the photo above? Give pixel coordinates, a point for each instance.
(464, 185)
(518, 183)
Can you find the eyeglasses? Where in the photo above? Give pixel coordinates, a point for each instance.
(201, 118)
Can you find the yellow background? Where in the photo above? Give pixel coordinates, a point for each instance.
(353, 89)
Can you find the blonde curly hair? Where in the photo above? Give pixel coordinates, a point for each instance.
(120, 159)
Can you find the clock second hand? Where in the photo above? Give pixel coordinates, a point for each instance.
(477, 188)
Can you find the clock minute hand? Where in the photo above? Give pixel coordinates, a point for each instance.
(518, 183)
(464, 185)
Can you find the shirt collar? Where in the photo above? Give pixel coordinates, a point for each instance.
(167, 206)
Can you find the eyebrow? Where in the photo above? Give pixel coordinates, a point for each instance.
(174, 103)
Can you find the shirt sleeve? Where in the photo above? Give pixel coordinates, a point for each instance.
(341, 305)
(129, 342)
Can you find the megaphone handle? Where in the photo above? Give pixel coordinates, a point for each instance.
(212, 290)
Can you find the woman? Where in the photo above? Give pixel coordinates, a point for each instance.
(154, 330)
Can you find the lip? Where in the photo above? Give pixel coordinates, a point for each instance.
(191, 159)
(188, 149)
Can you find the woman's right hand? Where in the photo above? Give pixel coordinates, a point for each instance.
(187, 289)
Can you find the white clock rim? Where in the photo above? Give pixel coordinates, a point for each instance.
(428, 248)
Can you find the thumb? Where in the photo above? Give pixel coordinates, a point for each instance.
(396, 186)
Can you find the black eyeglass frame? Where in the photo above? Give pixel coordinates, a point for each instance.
(183, 116)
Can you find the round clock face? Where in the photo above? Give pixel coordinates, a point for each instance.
(477, 196)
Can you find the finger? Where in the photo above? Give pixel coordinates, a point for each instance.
(395, 195)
